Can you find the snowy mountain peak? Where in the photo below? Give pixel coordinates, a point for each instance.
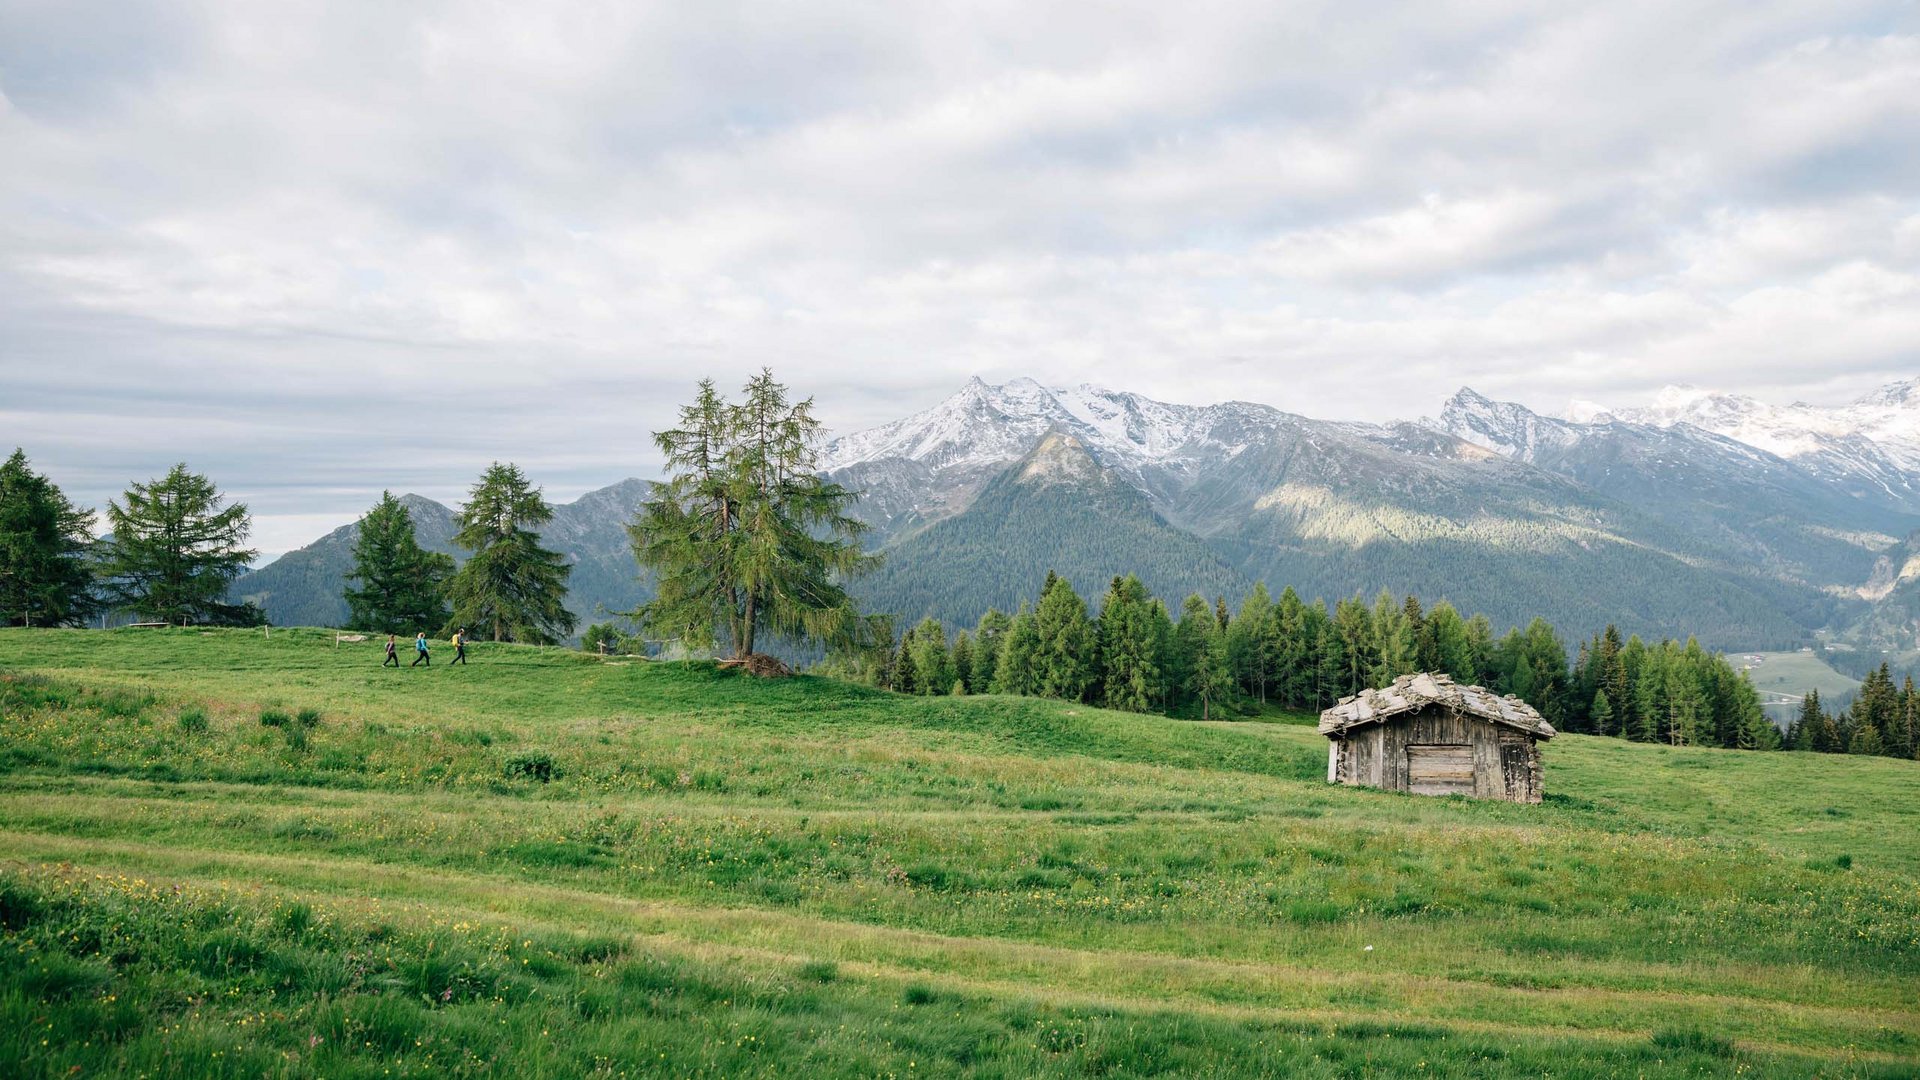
(984, 425)
(1503, 427)
(1901, 395)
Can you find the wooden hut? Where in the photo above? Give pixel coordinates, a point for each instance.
(1428, 735)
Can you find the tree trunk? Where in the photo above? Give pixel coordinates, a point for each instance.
(745, 644)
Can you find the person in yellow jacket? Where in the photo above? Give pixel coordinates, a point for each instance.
(459, 647)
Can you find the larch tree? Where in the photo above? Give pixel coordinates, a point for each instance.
(402, 586)
(177, 547)
(46, 578)
(510, 588)
(744, 537)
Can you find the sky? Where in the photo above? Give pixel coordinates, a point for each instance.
(318, 249)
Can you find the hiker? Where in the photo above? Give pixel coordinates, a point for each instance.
(421, 655)
(393, 653)
(459, 647)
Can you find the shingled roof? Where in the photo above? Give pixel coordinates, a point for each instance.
(1410, 693)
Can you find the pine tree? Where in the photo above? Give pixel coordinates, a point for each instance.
(745, 536)
(402, 586)
(1064, 660)
(511, 588)
(45, 575)
(176, 549)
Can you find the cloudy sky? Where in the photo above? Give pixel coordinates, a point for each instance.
(320, 248)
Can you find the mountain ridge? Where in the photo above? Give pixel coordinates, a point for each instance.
(1657, 522)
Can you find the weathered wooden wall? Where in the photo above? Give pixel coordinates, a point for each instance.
(1454, 753)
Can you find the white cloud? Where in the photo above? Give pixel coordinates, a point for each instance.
(322, 248)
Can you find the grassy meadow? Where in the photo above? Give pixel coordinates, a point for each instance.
(224, 853)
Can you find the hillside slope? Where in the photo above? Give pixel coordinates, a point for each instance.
(666, 869)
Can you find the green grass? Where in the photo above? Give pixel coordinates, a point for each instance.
(552, 865)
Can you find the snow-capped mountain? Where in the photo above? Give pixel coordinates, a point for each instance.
(931, 464)
(1503, 427)
(1869, 445)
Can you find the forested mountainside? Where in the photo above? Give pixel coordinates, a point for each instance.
(1647, 520)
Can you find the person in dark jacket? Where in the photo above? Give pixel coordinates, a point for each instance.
(393, 653)
(459, 647)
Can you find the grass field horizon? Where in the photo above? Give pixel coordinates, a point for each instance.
(239, 853)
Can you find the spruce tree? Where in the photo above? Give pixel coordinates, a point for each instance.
(932, 670)
(1601, 715)
(1866, 739)
(988, 637)
(45, 575)
(1757, 731)
(1451, 645)
(744, 536)
(963, 663)
(1250, 642)
(510, 588)
(1354, 629)
(1064, 659)
(906, 675)
(1392, 640)
(1204, 648)
(1290, 650)
(176, 550)
(1018, 669)
(1130, 671)
(402, 586)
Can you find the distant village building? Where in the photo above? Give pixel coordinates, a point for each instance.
(1430, 736)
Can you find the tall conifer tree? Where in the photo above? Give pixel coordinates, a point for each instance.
(402, 586)
(45, 575)
(745, 537)
(176, 549)
(510, 588)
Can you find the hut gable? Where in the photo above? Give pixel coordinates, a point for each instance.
(1431, 736)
